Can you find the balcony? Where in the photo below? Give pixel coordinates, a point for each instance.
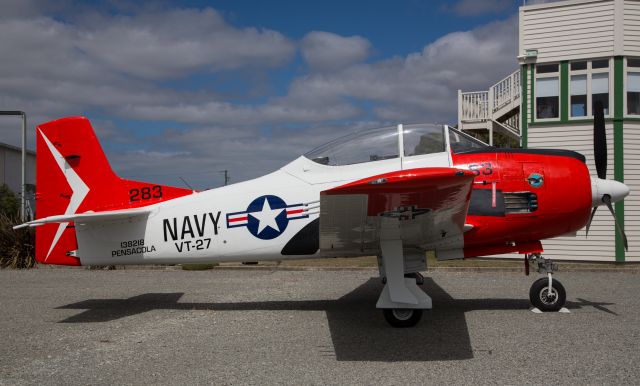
(497, 109)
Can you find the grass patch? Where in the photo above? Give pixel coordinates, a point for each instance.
(198, 267)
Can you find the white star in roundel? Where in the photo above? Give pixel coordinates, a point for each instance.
(266, 217)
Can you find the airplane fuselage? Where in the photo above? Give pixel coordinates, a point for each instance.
(518, 198)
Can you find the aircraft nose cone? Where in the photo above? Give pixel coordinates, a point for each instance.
(617, 190)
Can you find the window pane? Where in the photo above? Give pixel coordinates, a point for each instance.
(633, 103)
(578, 105)
(604, 63)
(599, 83)
(423, 139)
(547, 107)
(546, 68)
(546, 87)
(579, 85)
(633, 81)
(633, 62)
(578, 66)
(578, 90)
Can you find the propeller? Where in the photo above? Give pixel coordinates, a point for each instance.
(602, 184)
(599, 140)
(607, 200)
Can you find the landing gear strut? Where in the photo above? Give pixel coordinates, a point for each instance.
(401, 300)
(546, 293)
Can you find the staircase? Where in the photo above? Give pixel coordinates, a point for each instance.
(493, 111)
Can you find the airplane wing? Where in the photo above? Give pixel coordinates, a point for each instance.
(425, 208)
(88, 217)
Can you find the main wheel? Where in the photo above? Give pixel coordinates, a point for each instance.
(544, 299)
(402, 317)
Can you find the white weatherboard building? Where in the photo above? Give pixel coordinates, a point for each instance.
(572, 54)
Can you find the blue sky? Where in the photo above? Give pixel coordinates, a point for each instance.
(189, 88)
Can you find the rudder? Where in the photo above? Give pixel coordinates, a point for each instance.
(73, 176)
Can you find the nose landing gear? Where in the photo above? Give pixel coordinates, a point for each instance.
(546, 293)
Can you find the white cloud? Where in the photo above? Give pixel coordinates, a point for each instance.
(326, 51)
(223, 113)
(422, 86)
(59, 67)
(173, 43)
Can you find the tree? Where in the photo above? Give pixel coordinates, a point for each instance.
(9, 203)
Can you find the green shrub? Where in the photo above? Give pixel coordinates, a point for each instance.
(17, 247)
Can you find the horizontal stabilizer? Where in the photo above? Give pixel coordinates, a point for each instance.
(88, 217)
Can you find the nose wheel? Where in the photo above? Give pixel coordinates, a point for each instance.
(546, 299)
(546, 293)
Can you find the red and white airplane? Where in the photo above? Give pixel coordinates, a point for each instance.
(394, 192)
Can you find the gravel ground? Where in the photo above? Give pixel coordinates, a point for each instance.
(80, 327)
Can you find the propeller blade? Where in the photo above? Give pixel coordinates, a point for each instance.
(593, 213)
(607, 200)
(599, 140)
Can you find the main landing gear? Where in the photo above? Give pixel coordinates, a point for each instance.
(404, 317)
(546, 293)
(401, 300)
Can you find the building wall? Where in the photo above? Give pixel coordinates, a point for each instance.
(631, 23)
(567, 31)
(11, 167)
(632, 179)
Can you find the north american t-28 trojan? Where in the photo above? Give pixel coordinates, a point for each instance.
(395, 192)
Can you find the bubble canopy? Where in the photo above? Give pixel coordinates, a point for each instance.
(387, 143)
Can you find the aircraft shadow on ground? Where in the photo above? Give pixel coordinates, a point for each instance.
(358, 331)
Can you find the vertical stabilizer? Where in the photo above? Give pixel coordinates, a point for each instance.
(73, 176)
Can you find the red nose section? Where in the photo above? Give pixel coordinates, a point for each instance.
(527, 196)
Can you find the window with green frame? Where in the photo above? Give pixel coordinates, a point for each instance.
(588, 84)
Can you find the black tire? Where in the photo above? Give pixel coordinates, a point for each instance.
(538, 294)
(402, 317)
(416, 275)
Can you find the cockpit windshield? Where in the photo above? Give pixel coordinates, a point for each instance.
(383, 144)
(461, 142)
(423, 139)
(364, 146)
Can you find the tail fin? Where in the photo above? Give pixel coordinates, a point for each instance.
(74, 176)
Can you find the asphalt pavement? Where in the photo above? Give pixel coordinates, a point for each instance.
(81, 327)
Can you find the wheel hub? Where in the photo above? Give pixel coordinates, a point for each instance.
(548, 297)
(402, 313)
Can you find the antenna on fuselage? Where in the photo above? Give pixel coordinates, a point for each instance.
(186, 183)
(226, 176)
